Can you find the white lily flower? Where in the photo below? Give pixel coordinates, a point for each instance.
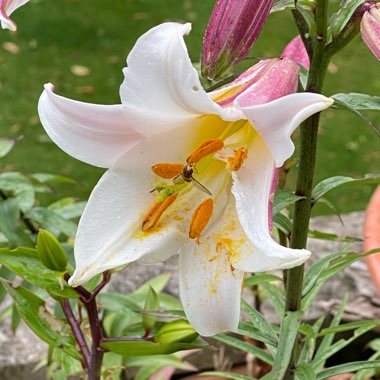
(7, 7)
(168, 127)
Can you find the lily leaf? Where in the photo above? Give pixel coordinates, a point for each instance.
(346, 104)
(6, 145)
(227, 375)
(348, 367)
(25, 263)
(142, 348)
(334, 237)
(282, 199)
(47, 327)
(359, 101)
(339, 181)
(339, 19)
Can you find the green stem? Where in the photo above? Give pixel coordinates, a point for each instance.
(308, 148)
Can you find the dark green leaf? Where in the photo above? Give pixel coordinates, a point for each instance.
(16, 319)
(248, 329)
(20, 187)
(246, 347)
(142, 348)
(288, 333)
(283, 223)
(349, 326)
(6, 274)
(26, 263)
(276, 295)
(41, 322)
(334, 182)
(152, 303)
(339, 19)
(348, 367)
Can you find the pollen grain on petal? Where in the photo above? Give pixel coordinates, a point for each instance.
(155, 212)
(234, 163)
(200, 218)
(203, 150)
(167, 170)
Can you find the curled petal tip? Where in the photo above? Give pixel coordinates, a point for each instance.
(7, 7)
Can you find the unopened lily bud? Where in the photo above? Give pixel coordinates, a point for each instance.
(370, 29)
(6, 9)
(176, 331)
(233, 28)
(50, 251)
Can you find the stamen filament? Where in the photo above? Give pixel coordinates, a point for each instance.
(155, 212)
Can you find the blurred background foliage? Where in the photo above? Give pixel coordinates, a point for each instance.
(80, 46)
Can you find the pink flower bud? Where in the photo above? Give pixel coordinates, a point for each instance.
(6, 9)
(370, 29)
(233, 28)
(295, 49)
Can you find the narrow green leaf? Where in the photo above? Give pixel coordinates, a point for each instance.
(305, 372)
(283, 223)
(334, 182)
(26, 264)
(349, 326)
(16, 319)
(152, 303)
(48, 328)
(6, 274)
(246, 347)
(228, 375)
(310, 332)
(325, 346)
(68, 208)
(276, 295)
(334, 237)
(259, 321)
(348, 367)
(282, 199)
(142, 348)
(259, 278)
(288, 333)
(52, 178)
(339, 19)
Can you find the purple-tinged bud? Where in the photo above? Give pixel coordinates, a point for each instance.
(233, 28)
(6, 9)
(370, 29)
(295, 50)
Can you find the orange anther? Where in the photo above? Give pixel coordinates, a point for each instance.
(200, 218)
(166, 170)
(155, 212)
(203, 150)
(234, 163)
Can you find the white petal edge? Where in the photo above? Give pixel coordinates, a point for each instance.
(11, 6)
(251, 188)
(276, 120)
(161, 89)
(95, 134)
(109, 232)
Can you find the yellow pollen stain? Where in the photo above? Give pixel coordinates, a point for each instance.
(200, 218)
(155, 212)
(234, 163)
(203, 150)
(167, 170)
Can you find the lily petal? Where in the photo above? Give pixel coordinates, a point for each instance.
(7, 7)
(276, 120)
(95, 134)
(160, 62)
(251, 188)
(296, 50)
(120, 201)
(209, 286)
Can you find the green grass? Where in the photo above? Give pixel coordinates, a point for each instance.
(98, 34)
